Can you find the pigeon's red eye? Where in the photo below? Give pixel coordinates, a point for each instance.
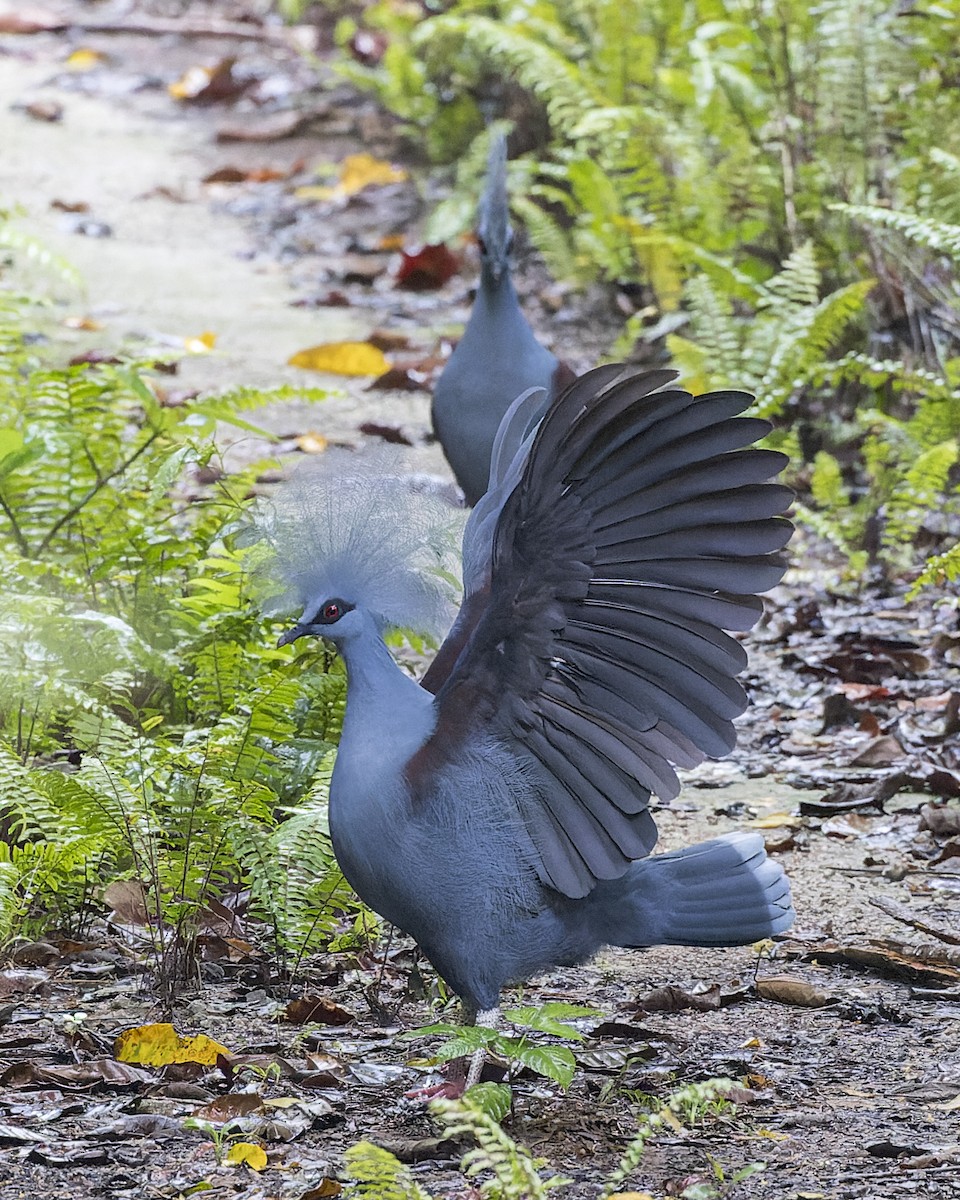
(332, 612)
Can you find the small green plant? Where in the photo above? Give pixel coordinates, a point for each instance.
(687, 1103)
(721, 1185)
(150, 730)
(550, 1060)
(506, 1170)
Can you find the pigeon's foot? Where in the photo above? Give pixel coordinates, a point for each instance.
(488, 1019)
(459, 1075)
(450, 1089)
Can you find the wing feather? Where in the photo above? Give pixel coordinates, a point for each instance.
(630, 534)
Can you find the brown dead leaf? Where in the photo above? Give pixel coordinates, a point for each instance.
(226, 1108)
(44, 110)
(31, 20)
(931, 969)
(341, 358)
(160, 1045)
(76, 1076)
(785, 990)
(426, 268)
(233, 1064)
(879, 753)
(400, 379)
(209, 84)
(34, 954)
(315, 1010)
(22, 982)
(264, 127)
(943, 820)
(325, 1188)
(128, 900)
(671, 999)
(388, 433)
(368, 46)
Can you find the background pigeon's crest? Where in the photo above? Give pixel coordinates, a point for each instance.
(494, 223)
(354, 527)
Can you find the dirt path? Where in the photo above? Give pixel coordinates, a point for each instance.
(175, 264)
(856, 1098)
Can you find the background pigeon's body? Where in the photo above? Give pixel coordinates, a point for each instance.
(498, 356)
(499, 812)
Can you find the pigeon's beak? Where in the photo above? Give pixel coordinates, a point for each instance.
(291, 635)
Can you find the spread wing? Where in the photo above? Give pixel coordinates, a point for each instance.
(640, 530)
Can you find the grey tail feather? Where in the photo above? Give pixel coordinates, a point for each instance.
(724, 892)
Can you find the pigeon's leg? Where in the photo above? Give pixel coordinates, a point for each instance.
(488, 1019)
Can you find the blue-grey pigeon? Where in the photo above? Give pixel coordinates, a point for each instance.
(498, 356)
(499, 810)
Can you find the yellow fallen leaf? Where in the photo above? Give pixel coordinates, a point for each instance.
(357, 171)
(753, 1044)
(774, 1135)
(84, 59)
(191, 83)
(775, 820)
(342, 358)
(248, 1153)
(159, 1045)
(88, 324)
(631, 1196)
(311, 443)
(203, 343)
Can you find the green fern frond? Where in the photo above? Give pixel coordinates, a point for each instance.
(376, 1174)
(942, 237)
(515, 1172)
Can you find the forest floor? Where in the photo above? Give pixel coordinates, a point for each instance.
(183, 217)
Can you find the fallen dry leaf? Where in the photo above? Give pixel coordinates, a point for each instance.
(209, 85)
(341, 358)
(426, 268)
(13, 982)
(792, 991)
(264, 127)
(225, 1108)
(128, 900)
(44, 110)
(316, 1010)
(388, 433)
(671, 999)
(400, 379)
(85, 59)
(247, 1154)
(78, 1076)
(202, 343)
(159, 1045)
(943, 820)
(30, 20)
(311, 443)
(357, 171)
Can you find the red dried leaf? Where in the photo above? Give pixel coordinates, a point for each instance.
(426, 268)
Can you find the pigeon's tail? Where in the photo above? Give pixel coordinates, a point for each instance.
(724, 892)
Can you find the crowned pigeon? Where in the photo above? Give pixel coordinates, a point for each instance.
(499, 811)
(498, 356)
